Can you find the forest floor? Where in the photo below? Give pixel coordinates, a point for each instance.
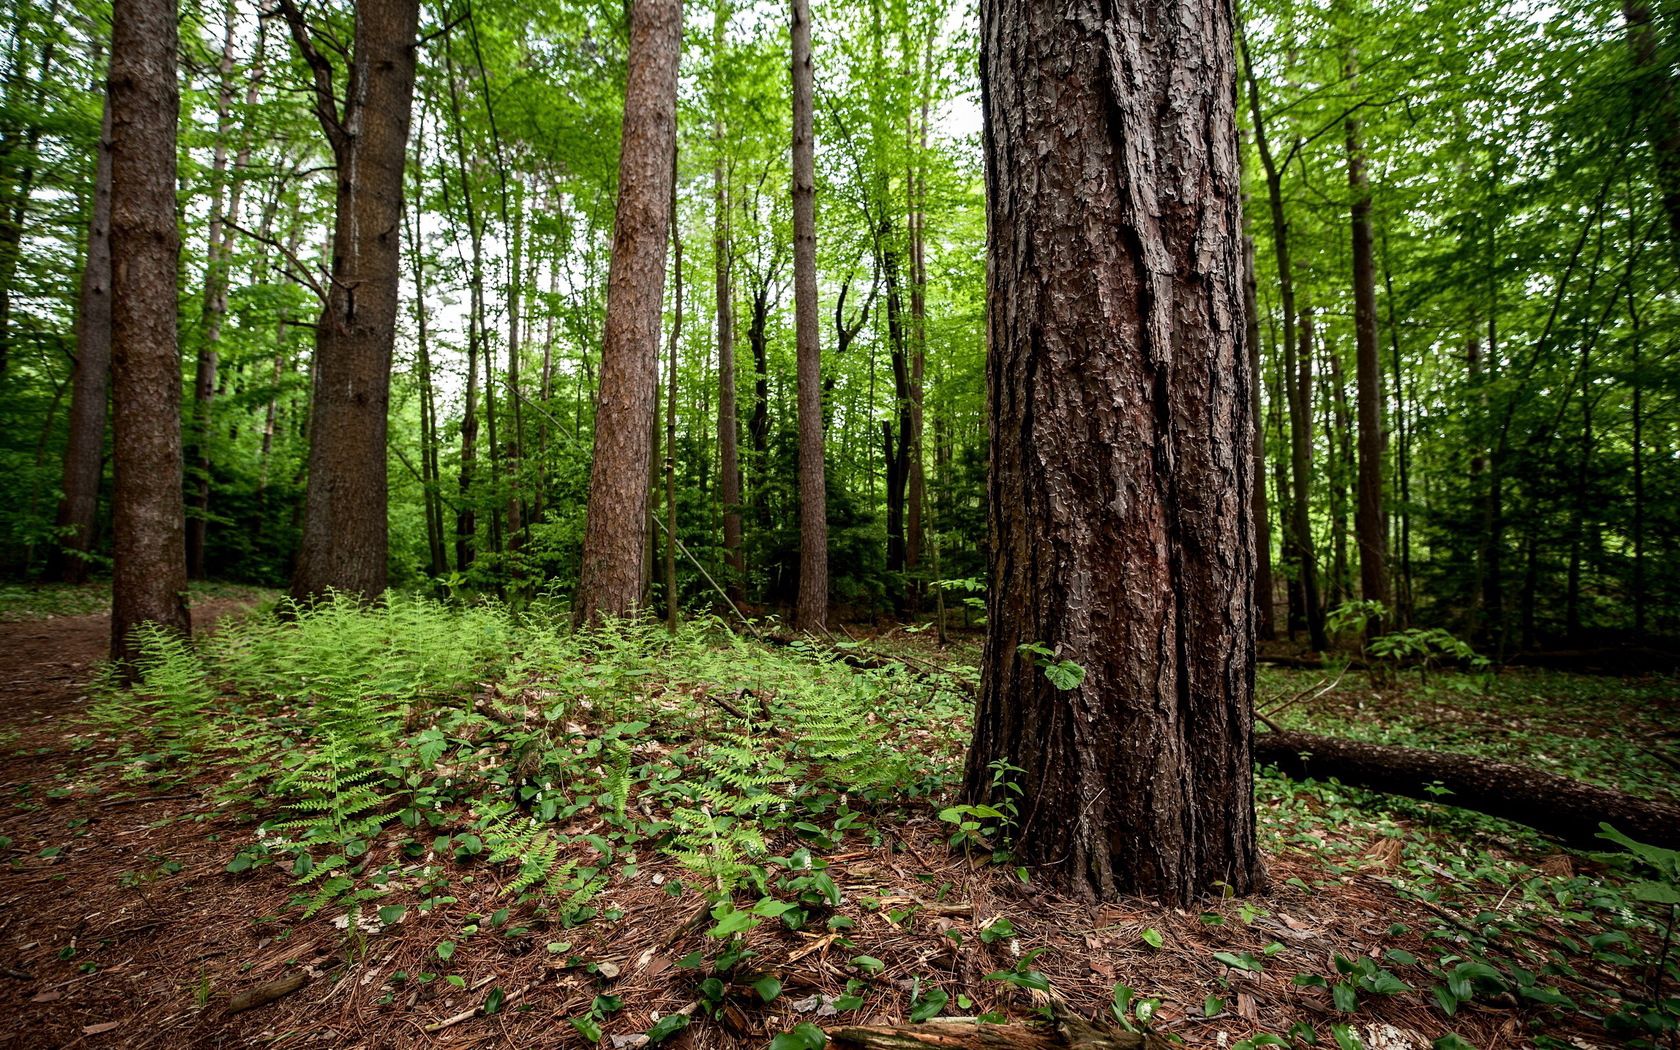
(1388, 924)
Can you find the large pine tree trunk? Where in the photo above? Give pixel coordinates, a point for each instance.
(616, 535)
(149, 579)
(90, 382)
(344, 527)
(812, 612)
(1119, 495)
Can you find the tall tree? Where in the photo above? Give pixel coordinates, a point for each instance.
(1369, 524)
(149, 577)
(812, 612)
(344, 529)
(616, 534)
(728, 418)
(214, 308)
(1118, 500)
(90, 381)
(1299, 532)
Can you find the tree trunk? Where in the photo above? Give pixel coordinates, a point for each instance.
(90, 382)
(1298, 382)
(1263, 592)
(437, 559)
(1568, 809)
(728, 420)
(1338, 440)
(1370, 527)
(615, 536)
(671, 411)
(344, 528)
(1119, 497)
(213, 310)
(1300, 420)
(916, 188)
(758, 423)
(149, 580)
(812, 612)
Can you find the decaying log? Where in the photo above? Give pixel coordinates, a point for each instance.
(1568, 809)
(1070, 1034)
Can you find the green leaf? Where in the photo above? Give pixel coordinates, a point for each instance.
(929, 1006)
(493, 1002)
(1212, 1005)
(1346, 996)
(1345, 1037)
(1152, 937)
(803, 1036)
(869, 964)
(446, 950)
(767, 988)
(588, 1027)
(666, 1027)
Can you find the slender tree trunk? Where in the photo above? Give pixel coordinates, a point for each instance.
(344, 528)
(149, 581)
(615, 535)
(214, 308)
(1298, 380)
(758, 423)
(438, 561)
(1263, 593)
(1637, 380)
(1119, 494)
(728, 421)
(1338, 438)
(812, 613)
(916, 188)
(671, 413)
(1370, 526)
(1402, 460)
(516, 282)
(90, 382)
(1300, 419)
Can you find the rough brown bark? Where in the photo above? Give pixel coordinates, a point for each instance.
(149, 579)
(1120, 474)
(1568, 809)
(1369, 525)
(344, 528)
(812, 611)
(90, 382)
(615, 537)
(728, 420)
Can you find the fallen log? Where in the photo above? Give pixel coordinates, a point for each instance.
(1567, 809)
(1070, 1034)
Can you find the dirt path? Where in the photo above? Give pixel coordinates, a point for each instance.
(89, 936)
